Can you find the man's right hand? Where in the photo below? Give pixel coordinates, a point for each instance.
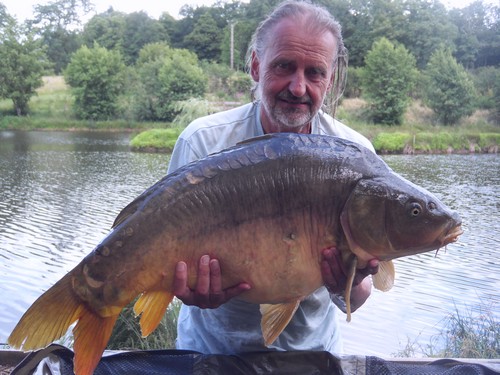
(208, 293)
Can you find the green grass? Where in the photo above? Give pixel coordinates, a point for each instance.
(153, 140)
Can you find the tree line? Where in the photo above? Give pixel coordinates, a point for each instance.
(397, 48)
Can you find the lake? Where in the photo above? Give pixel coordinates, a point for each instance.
(60, 192)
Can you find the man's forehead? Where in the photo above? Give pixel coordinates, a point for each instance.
(289, 40)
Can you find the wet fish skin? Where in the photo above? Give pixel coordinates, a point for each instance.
(265, 209)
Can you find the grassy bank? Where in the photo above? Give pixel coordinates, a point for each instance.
(51, 110)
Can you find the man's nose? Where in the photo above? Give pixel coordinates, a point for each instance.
(298, 84)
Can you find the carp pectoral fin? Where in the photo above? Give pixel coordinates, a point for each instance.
(91, 333)
(275, 318)
(48, 318)
(384, 279)
(151, 306)
(348, 288)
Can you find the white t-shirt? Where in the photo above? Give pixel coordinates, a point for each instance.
(234, 327)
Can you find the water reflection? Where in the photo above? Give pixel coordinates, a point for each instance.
(60, 192)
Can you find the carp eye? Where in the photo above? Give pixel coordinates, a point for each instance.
(415, 209)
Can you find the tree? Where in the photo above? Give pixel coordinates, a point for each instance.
(96, 79)
(205, 39)
(106, 29)
(55, 23)
(139, 31)
(165, 76)
(23, 62)
(387, 79)
(449, 90)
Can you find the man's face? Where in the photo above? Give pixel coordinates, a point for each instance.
(294, 75)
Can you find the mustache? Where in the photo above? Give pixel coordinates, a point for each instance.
(289, 97)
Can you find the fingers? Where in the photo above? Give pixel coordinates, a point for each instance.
(180, 287)
(208, 292)
(331, 270)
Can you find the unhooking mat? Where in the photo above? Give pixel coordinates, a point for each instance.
(58, 360)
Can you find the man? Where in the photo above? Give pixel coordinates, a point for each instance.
(296, 59)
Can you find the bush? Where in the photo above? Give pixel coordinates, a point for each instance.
(166, 76)
(96, 79)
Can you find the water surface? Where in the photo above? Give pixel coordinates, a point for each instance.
(60, 192)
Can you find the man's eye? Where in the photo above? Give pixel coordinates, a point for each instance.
(316, 73)
(283, 67)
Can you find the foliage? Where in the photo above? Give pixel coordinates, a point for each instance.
(469, 336)
(191, 109)
(391, 142)
(496, 99)
(53, 22)
(225, 82)
(95, 76)
(166, 75)
(140, 30)
(449, 90)
(205, 39)
(387, 79)
(485, 79)
(353, 86)
(127, 335)
(23, 62)
(105, 29)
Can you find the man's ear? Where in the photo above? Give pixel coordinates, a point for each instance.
(254, 67)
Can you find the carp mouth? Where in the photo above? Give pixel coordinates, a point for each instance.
(452, 235)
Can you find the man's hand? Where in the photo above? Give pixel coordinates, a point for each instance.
(335, 277)
(208, 293)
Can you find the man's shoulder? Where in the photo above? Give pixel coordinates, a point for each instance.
(216, 122)
(331, 126)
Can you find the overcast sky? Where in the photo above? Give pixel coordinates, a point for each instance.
(22, 9)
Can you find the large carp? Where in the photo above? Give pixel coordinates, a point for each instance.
(265, 209)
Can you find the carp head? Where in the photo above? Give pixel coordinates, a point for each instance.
(389, 217)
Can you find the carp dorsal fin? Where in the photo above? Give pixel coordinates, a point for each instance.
(384, 279)
(254, 139)
(275, 318)
(151, 307)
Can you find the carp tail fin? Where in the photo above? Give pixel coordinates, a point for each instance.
(151, 307)
(91, 333)
(48, 318)
(384, 279)
(275, 318)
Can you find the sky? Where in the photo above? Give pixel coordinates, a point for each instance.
(22, 9)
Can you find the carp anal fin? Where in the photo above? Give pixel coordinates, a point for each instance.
(384, 279)
(275, 318)
(91, 333)
(151, 306)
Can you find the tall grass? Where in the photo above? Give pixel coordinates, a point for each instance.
(464, 334)
(127, 334)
